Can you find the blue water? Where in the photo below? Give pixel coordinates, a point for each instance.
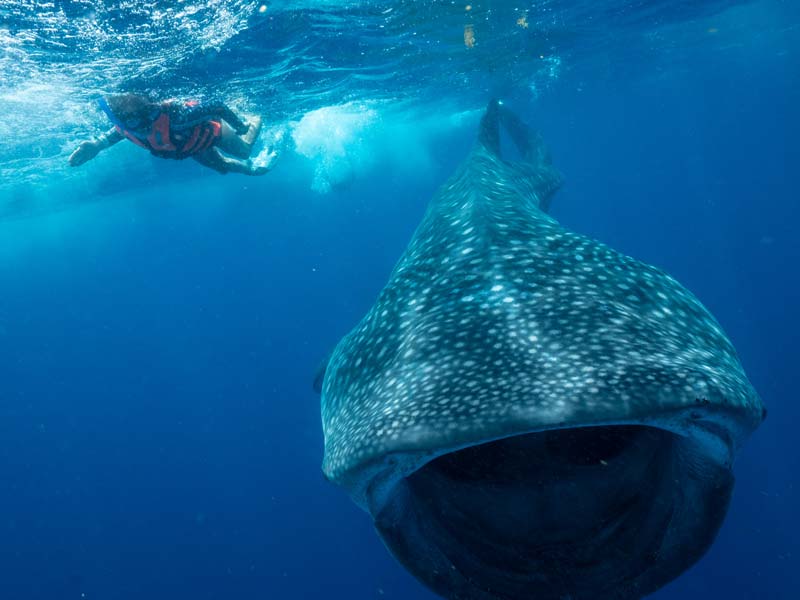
(160, 325)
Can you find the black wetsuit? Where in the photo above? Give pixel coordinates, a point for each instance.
(185, 116)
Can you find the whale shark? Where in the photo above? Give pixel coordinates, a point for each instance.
(524, 411)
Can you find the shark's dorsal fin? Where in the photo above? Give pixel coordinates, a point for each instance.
(534, 163)
(489, 129)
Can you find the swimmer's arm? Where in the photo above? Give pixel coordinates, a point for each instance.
(206, 112)
(88, 150)
(108, 139)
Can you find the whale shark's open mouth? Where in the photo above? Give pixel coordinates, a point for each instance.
(592, 512)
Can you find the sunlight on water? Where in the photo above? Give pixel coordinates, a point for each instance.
(122, 39)
(313, 64)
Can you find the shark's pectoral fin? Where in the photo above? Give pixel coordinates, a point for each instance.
(319, 374)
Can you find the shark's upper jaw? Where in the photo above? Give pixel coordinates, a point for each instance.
(521, 398)
(517, 331)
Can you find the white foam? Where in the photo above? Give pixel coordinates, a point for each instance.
(348, 141)
(332, 137)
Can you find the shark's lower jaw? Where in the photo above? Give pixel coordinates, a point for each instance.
(594, 512)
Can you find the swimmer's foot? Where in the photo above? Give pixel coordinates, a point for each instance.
(264, 162)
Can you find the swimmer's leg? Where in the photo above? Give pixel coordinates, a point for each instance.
(252, 134)
(241, 146)
(214, 159)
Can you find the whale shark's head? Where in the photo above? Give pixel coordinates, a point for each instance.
(526, 411)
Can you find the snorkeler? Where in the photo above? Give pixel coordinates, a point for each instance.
(210, 134)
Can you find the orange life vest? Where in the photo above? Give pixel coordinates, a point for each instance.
(159, 141)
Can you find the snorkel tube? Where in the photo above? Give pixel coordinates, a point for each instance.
(103, 104)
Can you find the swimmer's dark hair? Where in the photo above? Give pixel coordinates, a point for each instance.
(128, 105)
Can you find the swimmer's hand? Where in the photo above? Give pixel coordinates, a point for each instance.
(86, 151)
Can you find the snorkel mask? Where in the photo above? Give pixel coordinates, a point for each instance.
(134, 122)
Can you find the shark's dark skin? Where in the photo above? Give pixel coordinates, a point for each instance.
(527, 413)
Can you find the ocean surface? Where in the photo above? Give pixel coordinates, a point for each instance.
(161, 325)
